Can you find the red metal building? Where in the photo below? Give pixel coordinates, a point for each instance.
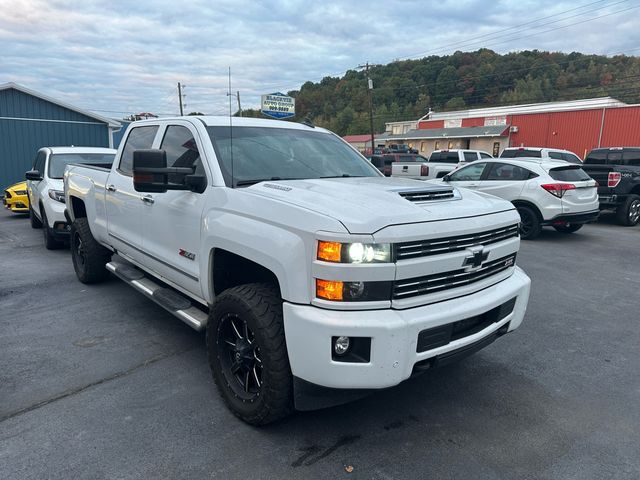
(579, 126)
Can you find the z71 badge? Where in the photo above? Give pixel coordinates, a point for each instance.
(183, 253)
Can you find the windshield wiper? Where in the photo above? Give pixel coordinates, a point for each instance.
(344, 175)
(258, 180)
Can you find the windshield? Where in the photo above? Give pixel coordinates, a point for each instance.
(58, 161)
(262, 153)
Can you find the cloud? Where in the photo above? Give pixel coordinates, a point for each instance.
(118, 56)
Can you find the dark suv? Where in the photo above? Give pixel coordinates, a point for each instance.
(617, 170)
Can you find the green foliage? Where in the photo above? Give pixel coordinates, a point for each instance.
(405, 90)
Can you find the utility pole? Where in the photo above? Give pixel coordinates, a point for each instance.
(180, 97)
(237, 95)
(369, 91)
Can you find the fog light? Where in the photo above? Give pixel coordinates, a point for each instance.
(341, 345)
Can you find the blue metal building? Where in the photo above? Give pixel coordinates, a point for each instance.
(30, 120)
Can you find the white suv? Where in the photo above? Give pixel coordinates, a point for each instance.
(45, 187)
(545, 192)
(537, 152)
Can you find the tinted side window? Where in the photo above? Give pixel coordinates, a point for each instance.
(521, 152)
(507, 172)
(471, 173)
(569, 174)
(596, 156)
(182, 151)
(556, 155)
(139, 138)
(470, 156)
(571, 158)
(484, 155)
(631, 157)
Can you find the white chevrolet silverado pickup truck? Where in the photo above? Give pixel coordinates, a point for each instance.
(316, 278)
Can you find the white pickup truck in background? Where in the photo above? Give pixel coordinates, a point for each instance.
(440, 163)
(316, 278)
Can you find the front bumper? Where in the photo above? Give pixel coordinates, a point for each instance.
(16, 203)
(393, 333)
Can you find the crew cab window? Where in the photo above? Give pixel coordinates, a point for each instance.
(139, 138)
(444, 157)
(471, 173)
(508, 172)
(521, 152)
(182, 151)
(569, 174)
(631, 157)
(470, 156)
(596, 156)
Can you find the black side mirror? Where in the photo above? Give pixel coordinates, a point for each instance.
(33, 175)
(446, 178)
(151, 174)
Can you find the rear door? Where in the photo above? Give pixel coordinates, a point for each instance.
(173, 219)
(504, 180)
(584, 197)
(126, 208)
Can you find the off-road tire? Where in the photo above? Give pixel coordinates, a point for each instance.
(35, 223)
(627, 212)
(260, 305)
(530, 226)
(50, 242)
(568, 228)
(89, 257)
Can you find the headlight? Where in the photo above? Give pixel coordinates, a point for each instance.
(354, 252)
(20, 192)
(57, 195)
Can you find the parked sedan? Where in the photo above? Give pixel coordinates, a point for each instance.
(15, 198)
(545, 192)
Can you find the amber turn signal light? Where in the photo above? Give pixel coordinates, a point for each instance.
(328, 289)
(329, 251)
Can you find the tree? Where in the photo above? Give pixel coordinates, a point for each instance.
(456, 103)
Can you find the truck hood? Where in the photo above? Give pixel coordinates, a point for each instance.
(368, 204)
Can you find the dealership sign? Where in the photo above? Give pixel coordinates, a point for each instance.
(278, 105)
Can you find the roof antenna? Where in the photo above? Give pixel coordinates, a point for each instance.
(233, 185)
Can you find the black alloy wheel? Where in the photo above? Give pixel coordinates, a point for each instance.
(239, 356)
(529, 223)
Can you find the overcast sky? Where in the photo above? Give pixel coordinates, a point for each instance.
(124, 56)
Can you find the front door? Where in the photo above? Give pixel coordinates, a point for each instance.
(173, 222)
(126, 208)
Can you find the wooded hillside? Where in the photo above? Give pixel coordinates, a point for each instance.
(404, 90)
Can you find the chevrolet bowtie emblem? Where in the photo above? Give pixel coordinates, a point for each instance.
(476, 256)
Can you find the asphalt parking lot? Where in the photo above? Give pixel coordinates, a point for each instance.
(98, 382)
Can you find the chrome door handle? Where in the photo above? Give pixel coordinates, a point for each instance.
(148, 199)
(111, 188)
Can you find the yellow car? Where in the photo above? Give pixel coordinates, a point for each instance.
(16, 199)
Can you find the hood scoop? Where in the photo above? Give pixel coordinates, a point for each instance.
(419, 196)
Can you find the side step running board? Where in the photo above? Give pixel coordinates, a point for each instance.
(172, 301)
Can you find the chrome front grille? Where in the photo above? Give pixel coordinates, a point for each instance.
(424, 248)
(427, 195)
(413, 287)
